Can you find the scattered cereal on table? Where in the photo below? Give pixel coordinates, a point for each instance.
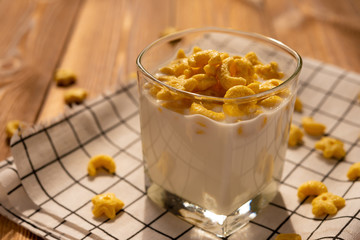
(327, 203)
(298, 105)
(107, 204)
(64, 77)
(331, 147)
(311, 188)
(75, 95)
(295, 136)
(12, 126)
(354, 171)
(98, 161)
(288, 236)
(312, 127)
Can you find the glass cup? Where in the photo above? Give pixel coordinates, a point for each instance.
(217, 175)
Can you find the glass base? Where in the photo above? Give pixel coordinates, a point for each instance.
(220, 225)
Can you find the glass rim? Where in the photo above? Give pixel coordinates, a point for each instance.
(197, 96)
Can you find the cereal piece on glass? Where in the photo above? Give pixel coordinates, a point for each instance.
(75, 95)
(311, 188)
(268, 71)
(269, 84)
(295, 136)
(99, 161)
(354, 172)
(288, 236)
(331, 147)
(312, 127)
(327, 203)
(271, 102)
(226, 78)
(106, 204)
(64, 77)
(199, 109)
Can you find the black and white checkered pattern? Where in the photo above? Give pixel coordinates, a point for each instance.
(45, 187)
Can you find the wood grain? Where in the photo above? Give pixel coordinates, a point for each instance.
(33, 34)
(100, 40)
(92, 53)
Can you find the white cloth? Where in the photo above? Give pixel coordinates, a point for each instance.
(44, 186)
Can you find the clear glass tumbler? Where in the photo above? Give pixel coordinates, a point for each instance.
(217, 175)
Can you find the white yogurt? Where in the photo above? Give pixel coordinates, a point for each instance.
(218, 166)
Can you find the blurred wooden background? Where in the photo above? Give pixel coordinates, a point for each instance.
(99, 40)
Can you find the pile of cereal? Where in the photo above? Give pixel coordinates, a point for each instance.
(216, 74)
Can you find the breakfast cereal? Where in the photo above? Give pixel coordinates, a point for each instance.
(354, 171)
(98, 161)
(64, 77)
(327, 203)
(106, 204)
(295, 136)
(311, 188)
(312, 127)
(331, 147)
(75, 95)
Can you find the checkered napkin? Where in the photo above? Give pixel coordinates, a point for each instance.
(45, 187)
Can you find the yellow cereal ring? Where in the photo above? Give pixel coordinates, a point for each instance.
(106, 204)
(211, 69)
(238, 91)
(199, 109)
(225, 78)
(202, 58)
(327, 203)
(204, 81)
(178, 106)
(176, 67)
(331, 147)
(311, 188)
(252, 57)
(233, 110)
(255, 86)
(271, 102)
(269, 84)
(354, 171)
(244, 68)
(268, 71)
(311, 127)
(101, 161)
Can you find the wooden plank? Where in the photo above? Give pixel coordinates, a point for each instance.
(324, 31)
(94, 52)
(33, 34)
(10, 230)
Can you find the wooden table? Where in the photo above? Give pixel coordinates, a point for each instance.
(100, 39)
